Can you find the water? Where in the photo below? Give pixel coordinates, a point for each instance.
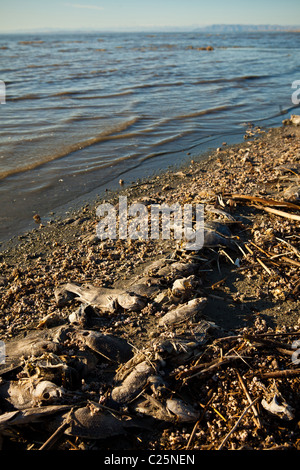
(83, 109)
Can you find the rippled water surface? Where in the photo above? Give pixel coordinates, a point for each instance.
(83, 109)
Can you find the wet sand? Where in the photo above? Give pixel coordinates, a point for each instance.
(256, 283)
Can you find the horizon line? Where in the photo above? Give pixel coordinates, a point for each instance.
(191, 28)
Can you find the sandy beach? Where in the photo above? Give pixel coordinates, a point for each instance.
(249, 279)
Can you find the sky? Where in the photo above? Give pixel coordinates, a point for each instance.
(32, 15)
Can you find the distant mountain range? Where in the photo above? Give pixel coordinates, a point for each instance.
(245, 28)
(213, 29)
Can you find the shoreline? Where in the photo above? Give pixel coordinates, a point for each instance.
(251, 287)
(79, 227)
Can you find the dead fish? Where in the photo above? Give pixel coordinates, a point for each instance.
(92, 422)
(177, 269)
(126, 368)
(183, 312)
(29, 415)
(34, 344)
(131, 301)
(110, 347)
(183, 285)
(63, 296)
(279, 407)
(155, 266)
(133, 383)
(105, 299)
(46, 391)
(26, 393)
(171, 410)
(142, 289)
(151, 406)
(213, 238)
(183, 412)
(81, 316)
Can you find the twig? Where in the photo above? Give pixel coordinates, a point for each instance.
(237, 423)
(268, 202)
(279, 374)
(255, 412)
(283, 347)
(215, 365)
(290, 261)
(264, 266)
(218, 283)
(58, 433)
(287, 215)
(259, 248)
(224, 253)
(293, 248)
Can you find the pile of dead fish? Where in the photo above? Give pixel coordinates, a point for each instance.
(50, 364)
(69, 377)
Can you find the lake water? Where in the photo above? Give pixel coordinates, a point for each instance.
(86, 109)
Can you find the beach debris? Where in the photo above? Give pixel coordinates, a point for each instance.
(275, 404)
(183, 412)
(80, 317)
(109, 347)
(294, 120)
(133, 384)
(94, 422)
(35, 344)
(37, 218)
(27, 416)
(143, 352)
(292, 193)
(105, 299)
(150, 406)
(183, 312)
(183, 285)
(265, 202)
(26, 393)
(171, 410)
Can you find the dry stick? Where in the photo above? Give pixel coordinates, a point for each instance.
(279, 374)
(280, 213)
(284, 347)
(290, 261)
(237, 423)
(255, 412)
(215, 365)
(293, 248)
(264, 266)
(269, 202)
(58, 433)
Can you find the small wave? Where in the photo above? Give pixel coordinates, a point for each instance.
(154, 85)
(29, 96)
(203, 112)
(64, 93)
(229, 80)
(108, 134)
